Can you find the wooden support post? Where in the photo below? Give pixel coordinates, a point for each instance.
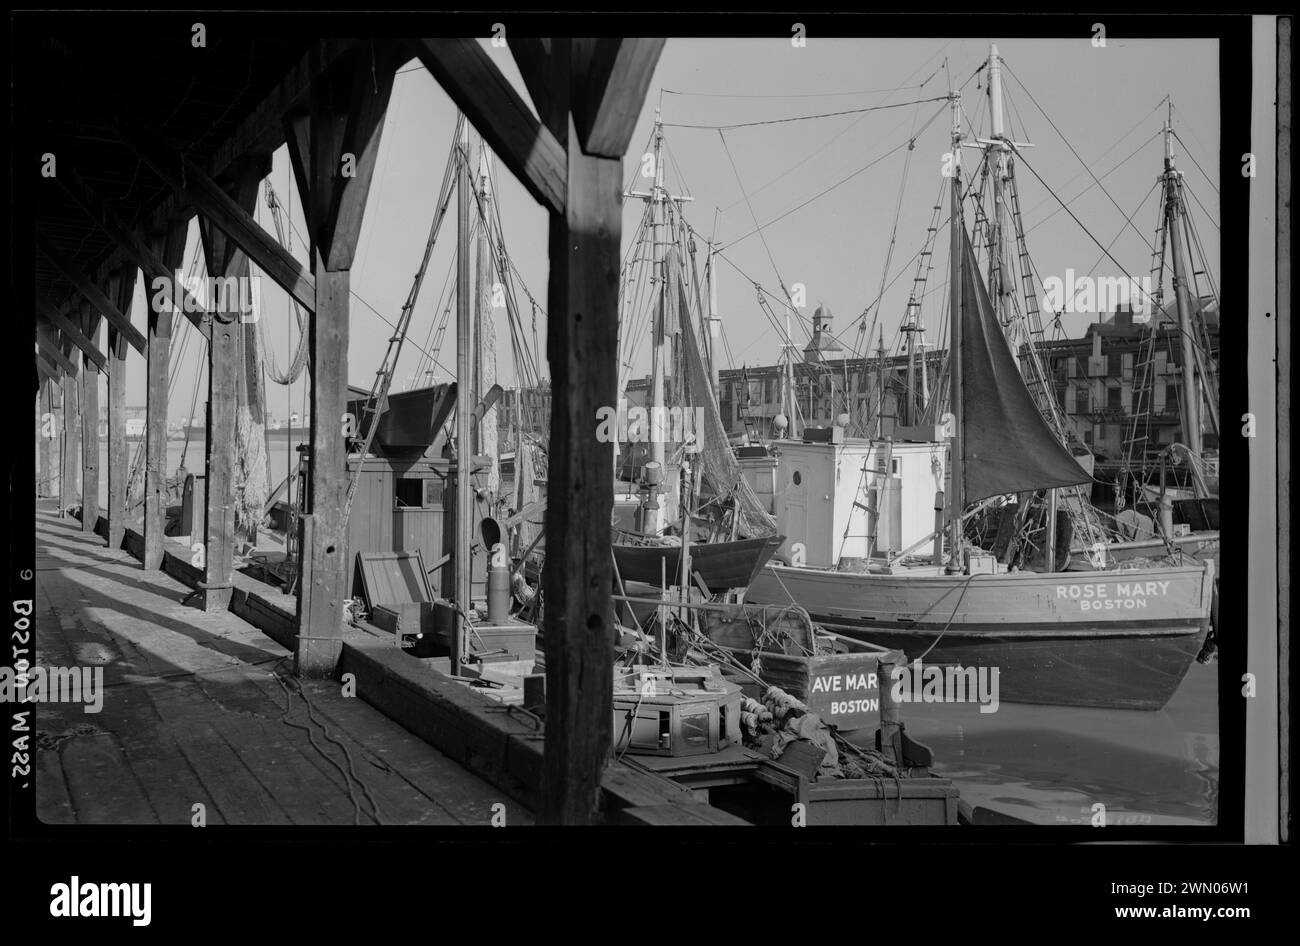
(890, 733)
(89, 429)
(171, 248)
(121, 289)
(347, 118)
(70, 453)
(582, 351)
(225, 368)
(44, 430)
(323, 559)
(463, 532)
(219, 520)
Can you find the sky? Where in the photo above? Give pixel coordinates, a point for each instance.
(828, 191)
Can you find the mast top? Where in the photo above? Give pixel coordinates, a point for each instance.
(1169, 134)
(995, 90)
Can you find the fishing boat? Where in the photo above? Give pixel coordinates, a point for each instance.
(720, 565)
(1120, 639)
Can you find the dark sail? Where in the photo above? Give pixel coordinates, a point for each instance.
(1007, 446)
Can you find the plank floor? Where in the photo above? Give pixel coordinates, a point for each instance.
(200, 709)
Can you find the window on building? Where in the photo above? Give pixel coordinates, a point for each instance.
(1081, 400)
(1113, 398)
(1087, 437)
(1114, 364)
(1171, 398)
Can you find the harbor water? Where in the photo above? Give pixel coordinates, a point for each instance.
(1054, 764)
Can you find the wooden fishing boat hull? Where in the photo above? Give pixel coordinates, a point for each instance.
(843, 687)
(1116, 639)
(411, 421)
(721, 565)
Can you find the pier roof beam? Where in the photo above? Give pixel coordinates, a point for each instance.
(541, 71)
(263, 130)
(72, 332)
(608, 102)
(530, 150)
(51, 351)
(221, 253)
(212, 202)
(46, 368)
(90, 292)
(156, 273)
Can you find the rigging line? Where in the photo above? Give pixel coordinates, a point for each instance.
(1115, 144)
(1136, 210)
(797, 95)
(803, 319)
(356, 295)
(672, 159)
(893, 235)
(762, 237)
(1188, 150)
(1130, 157)
(635, 318)
(903, 270)
(1132, 282)
(840, 134)
(1204, 209)
(504, 267)
(816, 196)
(801, 118)
(1200, 250)
(645, 149)
(423, 364)
(1079, 157)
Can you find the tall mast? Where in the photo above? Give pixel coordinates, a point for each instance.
(1173, 208)
(485, 356)
(957, 490)
(880, 376)
(658, 350)
(663, 505)
(714, 327)
(789, 404)
(909, 402)
(998, 283)
(464, 407)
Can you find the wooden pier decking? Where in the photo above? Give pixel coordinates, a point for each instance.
(194, 712)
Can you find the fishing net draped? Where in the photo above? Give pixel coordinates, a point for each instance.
(719, 467)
